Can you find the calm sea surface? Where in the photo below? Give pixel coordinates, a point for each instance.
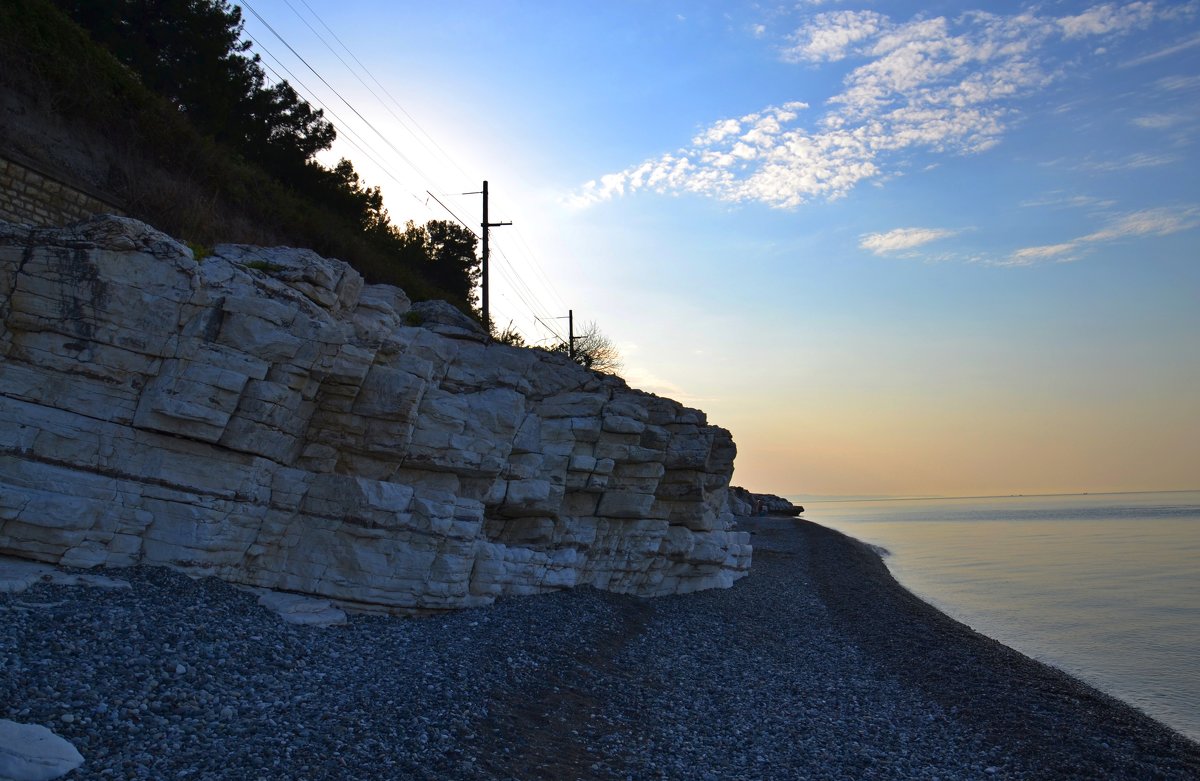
(1104, 586)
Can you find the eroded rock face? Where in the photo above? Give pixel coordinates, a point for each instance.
(263, 416)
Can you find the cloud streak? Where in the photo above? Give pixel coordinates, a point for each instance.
(924, 85)
(1130, 163)
(1162, 221)
(902, 239)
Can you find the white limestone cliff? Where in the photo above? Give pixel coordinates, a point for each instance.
(263, 416)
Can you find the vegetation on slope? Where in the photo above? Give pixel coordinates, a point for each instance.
(161, 105)
(184, 132)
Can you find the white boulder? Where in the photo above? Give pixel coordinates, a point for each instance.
(30, 752)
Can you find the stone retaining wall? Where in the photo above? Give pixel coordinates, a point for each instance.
(36, 198)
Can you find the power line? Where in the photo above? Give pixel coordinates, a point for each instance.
(369, 152)
(520, 286)
(538, 269)
(341, 125)
(367, 70)
(452, 214)
(521, 289)
(357, 113)
(528, 297)
(550, 328)
(354, 73)
(532, 306)
(520, 280)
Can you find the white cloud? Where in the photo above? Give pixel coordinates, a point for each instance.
(926, 85)
(1107, 18)
(1159, 121)
(717, 133)
(1060, 200)
(830, 35)
(1162, 221)
(1029, 255)
(1148, 222)
(1164, 52)
(1178, 83)
(1130, 163)
(902, 239)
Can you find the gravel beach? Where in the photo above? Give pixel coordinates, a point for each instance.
(816, 666)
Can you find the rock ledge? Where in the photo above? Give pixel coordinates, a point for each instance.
(263, 416)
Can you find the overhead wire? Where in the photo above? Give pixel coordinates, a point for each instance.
(384, 89)
(556, 333)
(530, 305)
(538, 268)
(349, 105)
(538, 310)
(452, 214)
(520, 281)
(354, 73)
(342, 124)
(362, 145)
(520, 286)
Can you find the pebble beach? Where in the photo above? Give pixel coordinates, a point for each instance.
(816, 666)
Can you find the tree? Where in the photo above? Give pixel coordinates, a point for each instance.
(348, 195)
(192, 52)
(454, 264)
(444, 253)
(594, 350)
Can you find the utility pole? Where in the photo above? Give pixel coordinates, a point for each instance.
(571, 337)
(487, 318)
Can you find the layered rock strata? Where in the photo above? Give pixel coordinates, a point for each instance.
(263, 416)
(743, 502)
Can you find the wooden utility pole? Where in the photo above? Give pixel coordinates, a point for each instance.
(571, 333)
(487, 316)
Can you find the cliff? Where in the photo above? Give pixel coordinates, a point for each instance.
(743, 502)
(263, 416)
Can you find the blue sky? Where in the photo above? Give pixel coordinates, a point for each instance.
(896, 248)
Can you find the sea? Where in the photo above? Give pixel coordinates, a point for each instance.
(1103, 586)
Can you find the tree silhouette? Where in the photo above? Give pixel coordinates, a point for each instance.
(455, 266)
(191, 52)
(594, 350)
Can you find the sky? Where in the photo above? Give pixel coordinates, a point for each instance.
(941, 248)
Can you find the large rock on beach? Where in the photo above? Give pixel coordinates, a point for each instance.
(31, 752)
(263, 416)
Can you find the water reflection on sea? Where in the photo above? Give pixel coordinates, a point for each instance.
(1104, 586)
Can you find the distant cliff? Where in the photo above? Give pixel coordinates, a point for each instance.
(743, 502)
(263, 416)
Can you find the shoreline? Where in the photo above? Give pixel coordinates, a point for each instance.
(1095, 588)
(936, 498)
(1045, 696)
(817, 665)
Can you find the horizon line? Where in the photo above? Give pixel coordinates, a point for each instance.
(933, 497)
